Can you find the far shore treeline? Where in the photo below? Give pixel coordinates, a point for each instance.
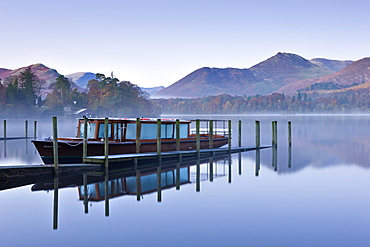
(345, 102)
(21, 96)
(24, 95)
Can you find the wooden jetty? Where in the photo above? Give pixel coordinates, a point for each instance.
(90, 162)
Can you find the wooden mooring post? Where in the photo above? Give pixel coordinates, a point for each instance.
(4, 130)
(229, 134)
(289, 144)
(84, 147)
(197, 134)
(55, 144)
(106, 177)
(106, 144)
(159, 147)
(210, 134)
(274, 133)
(177, 134)
(138, 133)
(106, 173)
(239, 133)
(289, 133)
(258, 133)
(34, 130)
(26, 129)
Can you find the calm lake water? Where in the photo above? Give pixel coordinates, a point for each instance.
(318, 194)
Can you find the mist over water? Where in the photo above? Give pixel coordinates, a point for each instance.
(321, 199)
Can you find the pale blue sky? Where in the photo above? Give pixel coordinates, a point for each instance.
(157, 42)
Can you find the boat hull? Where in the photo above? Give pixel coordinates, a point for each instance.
(70, 152)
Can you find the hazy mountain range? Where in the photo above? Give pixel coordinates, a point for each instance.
(43, 73)
(284, 73)
(79, 79)
(271, 75)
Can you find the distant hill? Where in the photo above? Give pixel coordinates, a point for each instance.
(354, 74)
(263, 78)
(209, 81)
(4, 73)
(41, 71)
(152, 90)
(81, 78)
(333, 65)
(280, 70)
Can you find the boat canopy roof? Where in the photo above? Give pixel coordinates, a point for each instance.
(142, 119)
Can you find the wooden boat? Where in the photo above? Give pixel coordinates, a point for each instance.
(122, 139)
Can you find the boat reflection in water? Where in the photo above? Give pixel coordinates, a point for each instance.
(147, 183)
(102, 185)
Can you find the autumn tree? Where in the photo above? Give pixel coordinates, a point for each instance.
(60, 95)
(28, 81)
(109, 96)
(13, 93)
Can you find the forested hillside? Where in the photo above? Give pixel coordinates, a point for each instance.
(105, 96)
(339, 102)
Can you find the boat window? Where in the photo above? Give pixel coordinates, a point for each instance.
(167, 130)
(90, 130)
(101, 130)
(91, 191)
(184, 129)
(131, 131)
(102, 188)
(148, 131)
(117, 130)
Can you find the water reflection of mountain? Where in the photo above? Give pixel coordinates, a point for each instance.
(324, 141)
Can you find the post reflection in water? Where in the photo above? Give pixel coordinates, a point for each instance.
(106, 191)
(4, 148)
(198, 176)
(240, 163)
(159, 179)
(138, 185)
(178, 175)
(290, 156)
(229, 173)
(27, 142)
(258, 162)
(159, 184)
(274, 158)
(211, 169)
(56, 198)
(86, 203)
